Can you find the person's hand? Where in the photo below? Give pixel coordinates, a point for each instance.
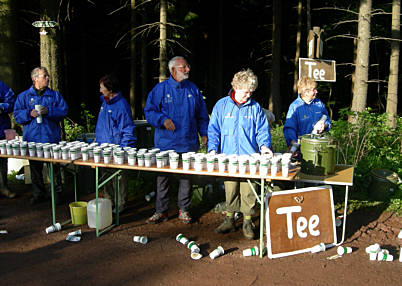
(169, 125)
(266, 150)
(212, 152)
(34, 113)
(320, 127)
(43, 110)
(204, 140)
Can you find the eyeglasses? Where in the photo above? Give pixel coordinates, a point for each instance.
(43, 75)
(183, 67)
(311, 89)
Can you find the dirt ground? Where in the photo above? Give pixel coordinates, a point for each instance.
(28, 256)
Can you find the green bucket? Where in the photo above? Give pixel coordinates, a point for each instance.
(383, 184)
(78, 212)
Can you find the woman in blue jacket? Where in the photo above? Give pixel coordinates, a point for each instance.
(115, 125)
(238, 125)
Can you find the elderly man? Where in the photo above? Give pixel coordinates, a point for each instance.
(53, 109)
(239, 126)
(7, 99)
(176, 109)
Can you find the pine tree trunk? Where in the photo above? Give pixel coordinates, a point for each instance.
(162, 41)
(392, 97)
(8, 66)
(362, 60)
(276, 60)
(133, 69)
(49, 44)
(298, 43)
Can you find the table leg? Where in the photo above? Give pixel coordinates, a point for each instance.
(96, 200)
(345, 212)
(262, 219)
(50, 169)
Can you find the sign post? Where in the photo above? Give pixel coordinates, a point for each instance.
(319, 70)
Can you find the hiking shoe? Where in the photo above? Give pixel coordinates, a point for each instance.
(184, 216)
(226, 226)
(157, 218)
(248, 229)
(7, 193)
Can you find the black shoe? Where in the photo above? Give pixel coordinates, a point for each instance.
(248, 229)
(226, 226)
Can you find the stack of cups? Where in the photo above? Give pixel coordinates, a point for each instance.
(233, 164)
(243, 164)
(97, 154)
(186, 158)
(285, 164)
(198, 162)
(23, 148)
(74, 153)
(222, 161)
(274, 166)
(84, 153)
(148, 159)
(173, 160)
(264, 161)
(16, 148)
(31, 149)
(119, 157)
(56, 152)
(46, 151)
(132, 155)
(253, 161)
(210, 163)
(65, 152)
(140, 159)
(39, 150)
(192, 159)
(3, 147)
(107, 153)
(9, 148)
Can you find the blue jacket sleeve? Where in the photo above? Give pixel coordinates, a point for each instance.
(290, 126)
(214, 130)
(127, 127)
(22, 110)
(263, 135)
(59, 110)
(9, 99)
(152, 110)
(202, 116)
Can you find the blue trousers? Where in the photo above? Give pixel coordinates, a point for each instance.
(162, 194)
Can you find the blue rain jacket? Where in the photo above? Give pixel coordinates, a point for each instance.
(182, 102)
(49, 130)
(7, 100)
(237, 129)
(115, 123)
(302, 117)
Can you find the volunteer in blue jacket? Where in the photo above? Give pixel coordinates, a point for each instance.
(7, 100)
(238, 125)
(53, 109)
(176, 109)
(304, 112)
(115, 125)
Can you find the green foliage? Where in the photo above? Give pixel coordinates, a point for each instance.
(278, 141)
(12, 180)
(73, 129)
(369, 143)
(88, 118)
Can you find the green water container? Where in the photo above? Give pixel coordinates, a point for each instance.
(318, 154)
(383, 184)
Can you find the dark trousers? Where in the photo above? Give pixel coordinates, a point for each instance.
(162, 194)
(3, 173)
(38, 185)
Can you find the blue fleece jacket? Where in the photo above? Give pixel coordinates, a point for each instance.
(7, 100)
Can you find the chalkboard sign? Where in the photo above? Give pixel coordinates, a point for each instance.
(299, 219)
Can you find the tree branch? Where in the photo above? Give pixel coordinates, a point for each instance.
(337, 9)
(349, 36)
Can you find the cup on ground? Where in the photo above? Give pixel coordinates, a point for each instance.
(217, 252)
(140, 239)
(253, 251)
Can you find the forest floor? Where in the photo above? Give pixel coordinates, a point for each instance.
(28, 256)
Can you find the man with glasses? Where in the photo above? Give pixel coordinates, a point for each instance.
(304, 112)
(176, 109)
(51, 108)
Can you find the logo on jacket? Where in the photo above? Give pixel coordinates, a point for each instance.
(190, 95)
(110, 111)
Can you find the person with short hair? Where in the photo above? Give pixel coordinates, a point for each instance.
(238, 125)
(7, 100)
(176, 108)
(53, 109)
(115, 125)
(304, 112)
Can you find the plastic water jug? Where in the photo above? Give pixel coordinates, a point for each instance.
(104, 213)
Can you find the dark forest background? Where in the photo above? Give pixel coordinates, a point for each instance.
(218, 38)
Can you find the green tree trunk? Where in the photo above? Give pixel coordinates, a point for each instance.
(162, 41)
(276, 60)
(133, 69)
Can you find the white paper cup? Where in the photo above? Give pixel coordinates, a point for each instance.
(77, 232)
(73, 238)
(16, 151)
(39, 152)
(149, 196)
(341, 250)
(217, 252)
(53, 228)
(9, 149)
(274, 168)
(38, 108)
(194, 248)
(243, 164)
(285, 169)
(140, 239)
(23, 150)
(174, 160)
(210, 163)
(159, 160)
(253, 251)
(233, 164)
(182, 239)
(318, 248)
(384, 256)
(140, 160)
